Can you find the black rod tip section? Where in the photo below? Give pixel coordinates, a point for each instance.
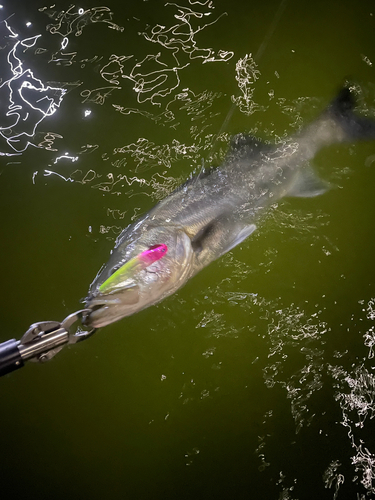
(10, 357)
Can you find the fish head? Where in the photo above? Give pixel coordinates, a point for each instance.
(142, 270)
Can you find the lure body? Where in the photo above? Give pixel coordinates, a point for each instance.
(142, 261)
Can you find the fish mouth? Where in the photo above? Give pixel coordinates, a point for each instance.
(94, 318)
(106, 309)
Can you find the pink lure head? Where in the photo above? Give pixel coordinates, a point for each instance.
(153, 254)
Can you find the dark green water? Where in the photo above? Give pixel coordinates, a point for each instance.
(256, 379)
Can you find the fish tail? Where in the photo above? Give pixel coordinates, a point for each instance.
(353, 127)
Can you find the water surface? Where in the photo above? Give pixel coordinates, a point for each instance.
(256, 379)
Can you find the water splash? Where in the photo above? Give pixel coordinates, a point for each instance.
(247, 73)
(73, 20)
(356, 397)
(332, 478)
(179, 38)
(27, 101)
(369, 336)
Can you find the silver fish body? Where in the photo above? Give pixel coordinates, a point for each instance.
(215, 211)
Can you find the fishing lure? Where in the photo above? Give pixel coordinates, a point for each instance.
(138, 263)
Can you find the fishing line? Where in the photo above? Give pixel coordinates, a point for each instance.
(257, 57)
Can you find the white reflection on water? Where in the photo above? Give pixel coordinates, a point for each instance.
(179, 38)
(217, 325)
(72, 21)
(28, 100)
(292, 328)
(300, 362)
(247, 74)
(369, 335)
(356, 397)
(154, 78)
(332, 478)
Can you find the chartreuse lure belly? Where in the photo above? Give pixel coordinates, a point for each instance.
(138, 263)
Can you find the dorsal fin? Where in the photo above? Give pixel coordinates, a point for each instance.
(240, 141)
(244, 146)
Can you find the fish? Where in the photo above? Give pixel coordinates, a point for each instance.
(213, 212)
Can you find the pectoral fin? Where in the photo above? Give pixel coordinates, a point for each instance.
(218, 237)
(240, 237)
(245, 146)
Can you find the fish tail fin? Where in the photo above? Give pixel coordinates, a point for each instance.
(352, 127)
